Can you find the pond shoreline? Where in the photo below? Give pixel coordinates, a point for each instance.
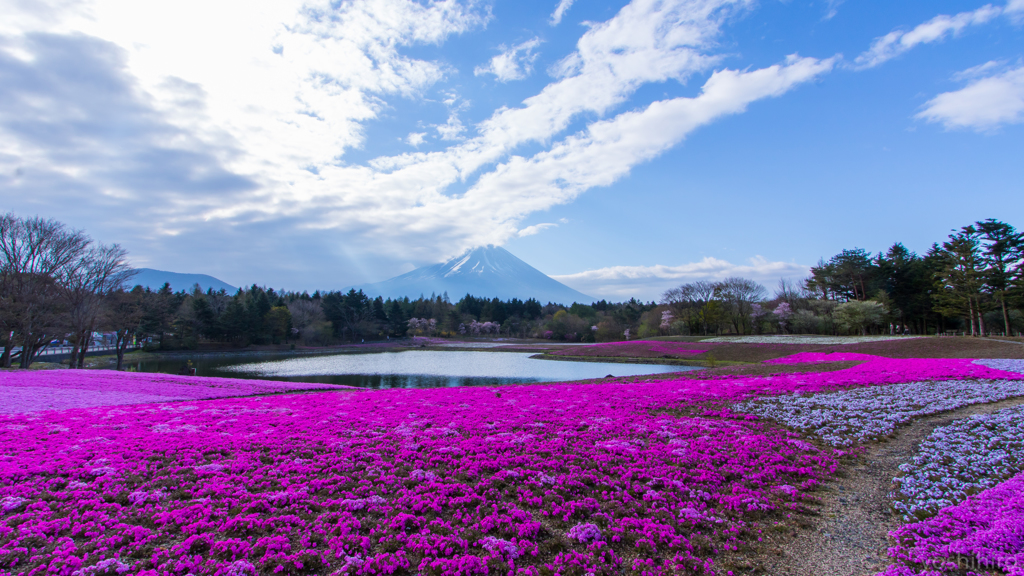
(405, 367)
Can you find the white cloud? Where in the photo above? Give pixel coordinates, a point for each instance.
(281, 103)
(536, 229)
(513, 63)
(897, 42)
(649, 282)
(556, 16)
(289, 82)
(399, 199)
(451, 130)
(608, 149)
(489, 211)
(984, 104)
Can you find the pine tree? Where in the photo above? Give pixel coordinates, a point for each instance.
(1003, 247)
(962, 277)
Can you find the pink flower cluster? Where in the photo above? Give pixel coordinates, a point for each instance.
(526, 480)
(979, 536)
(882, 370)
(30, 391)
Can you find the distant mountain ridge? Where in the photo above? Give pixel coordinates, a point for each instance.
(155, 279)
(485, 272)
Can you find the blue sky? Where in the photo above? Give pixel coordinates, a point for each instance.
(623, 148)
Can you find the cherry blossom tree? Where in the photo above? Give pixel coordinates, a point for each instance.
(783, 312)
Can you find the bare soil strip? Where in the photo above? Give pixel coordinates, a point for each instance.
(849, 534)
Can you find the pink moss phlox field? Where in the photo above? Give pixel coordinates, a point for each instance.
(647, 477)
(537, 479)
(30, 391)
(979, 536)
(882, 370)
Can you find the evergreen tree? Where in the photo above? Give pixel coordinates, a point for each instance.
(234, 320)
(905, 281)
(962, 277)
(397, 319)
(1003, 247)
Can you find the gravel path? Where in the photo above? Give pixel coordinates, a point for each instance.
(848, 536)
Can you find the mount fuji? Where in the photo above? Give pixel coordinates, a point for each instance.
(487, 271)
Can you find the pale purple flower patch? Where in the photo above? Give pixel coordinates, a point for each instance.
(108, 566)
(966, 457)
(11, 503)
(584, 533)
(858, 415)
(24, 391)
(1002, 364)
(500, 546)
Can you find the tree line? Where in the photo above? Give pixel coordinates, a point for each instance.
(262, 316)
(58, 285)
(970, 283)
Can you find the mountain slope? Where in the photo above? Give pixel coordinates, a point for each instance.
(489, 272)
(155, 279)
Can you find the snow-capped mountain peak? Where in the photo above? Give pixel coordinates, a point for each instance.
(487, 271)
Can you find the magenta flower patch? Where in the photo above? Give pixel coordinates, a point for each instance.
(558, 478)
(653, 477)
(30, 391)
(881, 370)
(981, 535)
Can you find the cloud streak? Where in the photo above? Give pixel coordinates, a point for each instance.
(536, 229)
(897, 42)
(560, 10)
(649, 282)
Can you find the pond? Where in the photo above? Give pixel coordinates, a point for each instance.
(407, 369)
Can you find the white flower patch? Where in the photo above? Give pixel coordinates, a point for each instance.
(422, 476)
(171, 429)
(140, 497)
(956, 461)
(500, 546)
(698, 517)
(861, 414)
(11, 503)
(210, 468)
(545, 478)
(354, 504)
(108, 566)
